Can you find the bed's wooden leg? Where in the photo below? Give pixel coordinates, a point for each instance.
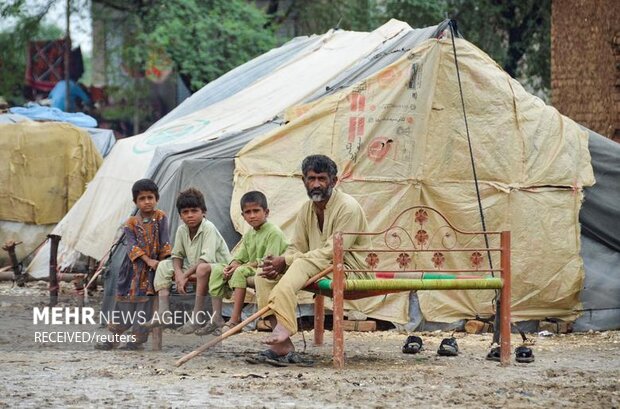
(319, 319)
(338, 294)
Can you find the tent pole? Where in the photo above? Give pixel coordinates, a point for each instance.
(473, 167)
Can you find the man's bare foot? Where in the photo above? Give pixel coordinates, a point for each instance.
(282, 348)
(280, 341)
(279, 334)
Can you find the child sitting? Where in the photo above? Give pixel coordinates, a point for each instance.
(199, 250)
(147, 241)
(264, 239)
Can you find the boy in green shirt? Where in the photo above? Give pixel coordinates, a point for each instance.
(264, 239)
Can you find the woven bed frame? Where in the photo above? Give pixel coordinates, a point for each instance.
(405, 246)
(445, 258)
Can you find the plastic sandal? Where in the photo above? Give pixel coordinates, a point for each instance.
(228, 326)
(262, 357)
(494, 354)
(271, 358)
(210, 328)
(292, 358)
(524, 355)
(413, 345)
(448, 347)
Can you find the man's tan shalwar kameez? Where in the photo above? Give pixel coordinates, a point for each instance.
(310, 252)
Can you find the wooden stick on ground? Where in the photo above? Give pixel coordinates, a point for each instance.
(245, 322)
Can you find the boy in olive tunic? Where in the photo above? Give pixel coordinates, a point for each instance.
(199, 250)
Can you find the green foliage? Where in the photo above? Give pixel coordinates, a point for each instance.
(12, 66)
(417, 13)
(318, 16)
(516, 33)
(204, 39)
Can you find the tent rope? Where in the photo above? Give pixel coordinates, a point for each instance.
(453, 31)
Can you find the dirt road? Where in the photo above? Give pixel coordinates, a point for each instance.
(571, 371)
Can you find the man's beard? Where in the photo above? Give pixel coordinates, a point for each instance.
(319, 195)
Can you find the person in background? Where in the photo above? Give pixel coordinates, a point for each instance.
(58, 95)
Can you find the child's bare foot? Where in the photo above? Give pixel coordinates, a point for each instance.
(188, 328)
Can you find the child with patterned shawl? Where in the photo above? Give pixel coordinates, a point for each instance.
(147, 243)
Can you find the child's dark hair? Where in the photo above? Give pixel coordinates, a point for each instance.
(254, 197)
(191, 198)
(319, 164)
(144, 185)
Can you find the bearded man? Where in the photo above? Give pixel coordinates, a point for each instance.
(311, 251)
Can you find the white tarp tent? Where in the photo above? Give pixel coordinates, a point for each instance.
(91, 224)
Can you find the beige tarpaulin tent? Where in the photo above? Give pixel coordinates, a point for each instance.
(44, 169)
(399, 139)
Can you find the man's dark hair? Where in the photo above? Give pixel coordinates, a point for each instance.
(319, 164)
(191, 198)
(254, 197)
(144, 185)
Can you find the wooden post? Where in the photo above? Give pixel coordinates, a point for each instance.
(54, 240)
(157, 332)
(9, 247)
(319, 319)
(505, 300)
(92, 269)
(67, 59)
(338, 299)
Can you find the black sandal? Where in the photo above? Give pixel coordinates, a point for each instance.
(524, 354)
(494, 354)
(413, 345)
(448, 347)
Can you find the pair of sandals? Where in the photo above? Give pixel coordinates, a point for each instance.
(414, 345)
(523, 354)
(269, 357)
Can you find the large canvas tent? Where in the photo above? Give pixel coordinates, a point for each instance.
(515, 137)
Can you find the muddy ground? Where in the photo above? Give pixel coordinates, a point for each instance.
(571, 371)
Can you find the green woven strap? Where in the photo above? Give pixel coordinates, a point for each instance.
(417, 284)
